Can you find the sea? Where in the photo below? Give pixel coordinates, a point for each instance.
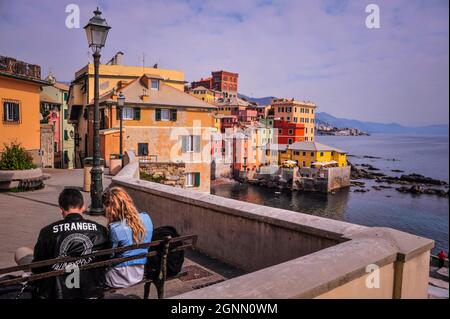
(423, 215)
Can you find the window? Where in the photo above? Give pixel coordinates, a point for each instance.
(155, 85)
(142, 149)
(289, 140)
(190, 143)
(55, 147)
(306, 130)
(288, 118)
(291, 132)
(192, 179)
(295, 120)
(66, 135)
(304, 163)
(128, 113)
(11, 111)
(66, 95)
(321, 153)
(66, 114)
(296, 153)
(280, 131)
(312, 153)
(166, 115)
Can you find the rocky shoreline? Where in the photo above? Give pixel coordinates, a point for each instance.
(411, 183)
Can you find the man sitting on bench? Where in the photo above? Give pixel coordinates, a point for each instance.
(73, 236)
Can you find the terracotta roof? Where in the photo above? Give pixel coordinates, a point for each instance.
(61, 86)
(48, 99)
(165, 96)
(235, 101)
(313, 147)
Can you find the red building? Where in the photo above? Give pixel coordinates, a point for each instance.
(288, 133)
(222, 81)
(229, 121)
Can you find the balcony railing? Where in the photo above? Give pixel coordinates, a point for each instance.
(13, 66)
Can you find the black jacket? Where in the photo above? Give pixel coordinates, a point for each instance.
(72, 236)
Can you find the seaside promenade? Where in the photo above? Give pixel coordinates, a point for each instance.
(24, 214)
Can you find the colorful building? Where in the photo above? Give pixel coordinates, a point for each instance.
(113, 75)
(313, 154)
(296, 112)
(203, 94)
(20, 87)
(288, 132)
(161, 124)
(222, 81)
(54, 100)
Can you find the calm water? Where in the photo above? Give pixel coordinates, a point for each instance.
(423, 215)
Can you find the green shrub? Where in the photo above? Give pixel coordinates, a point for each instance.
(15, 157)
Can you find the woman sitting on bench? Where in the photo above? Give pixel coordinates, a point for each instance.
(126, 227)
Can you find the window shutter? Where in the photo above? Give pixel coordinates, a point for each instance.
(4, 111)
(117, 114)
(184, 144)
(196, 144)
(158, 115)
(197, 179)
(137, 113)
(16, 112)
(173, 115)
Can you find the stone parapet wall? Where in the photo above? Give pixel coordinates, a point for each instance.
(171, 174)
(287, 254)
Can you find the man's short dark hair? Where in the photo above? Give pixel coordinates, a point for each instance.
(70, 198)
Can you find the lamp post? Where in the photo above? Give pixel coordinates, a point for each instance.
(96, 32)
(120, 104)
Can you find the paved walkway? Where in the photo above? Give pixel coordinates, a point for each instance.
(22, 216)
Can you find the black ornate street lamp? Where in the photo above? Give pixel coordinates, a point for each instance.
(96, 32)
(120, 105)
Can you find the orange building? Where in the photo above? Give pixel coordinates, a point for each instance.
(161, 124)
(294, 111)
(20, 87)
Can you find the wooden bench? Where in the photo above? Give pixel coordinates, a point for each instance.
(162, 248)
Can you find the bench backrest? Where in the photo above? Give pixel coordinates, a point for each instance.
(161, 247)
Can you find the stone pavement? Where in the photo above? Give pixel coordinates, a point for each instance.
(22, 215)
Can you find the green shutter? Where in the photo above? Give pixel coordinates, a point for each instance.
(196, 143)
(197, 179)
(173, 115)
(117, 114)
(137, 114)
(158, 115)
(16, 112)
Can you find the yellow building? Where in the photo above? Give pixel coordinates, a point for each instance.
(161, 124)
(313, 154)
(294, 111)
(20, 88)
(113, 75)
(203, 94)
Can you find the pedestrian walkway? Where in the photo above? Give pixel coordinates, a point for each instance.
(24, 214)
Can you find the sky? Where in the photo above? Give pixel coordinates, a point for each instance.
(315, 50)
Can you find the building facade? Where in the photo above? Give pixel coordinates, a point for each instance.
(296, 112)
(54, 100)
(161, 124)
(222, 81)
(20, 87)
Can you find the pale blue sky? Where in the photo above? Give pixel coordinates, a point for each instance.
(317, 50)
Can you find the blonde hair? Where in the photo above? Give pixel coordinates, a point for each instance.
(119, 206)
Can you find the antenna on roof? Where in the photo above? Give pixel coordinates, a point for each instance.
(143, 62)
